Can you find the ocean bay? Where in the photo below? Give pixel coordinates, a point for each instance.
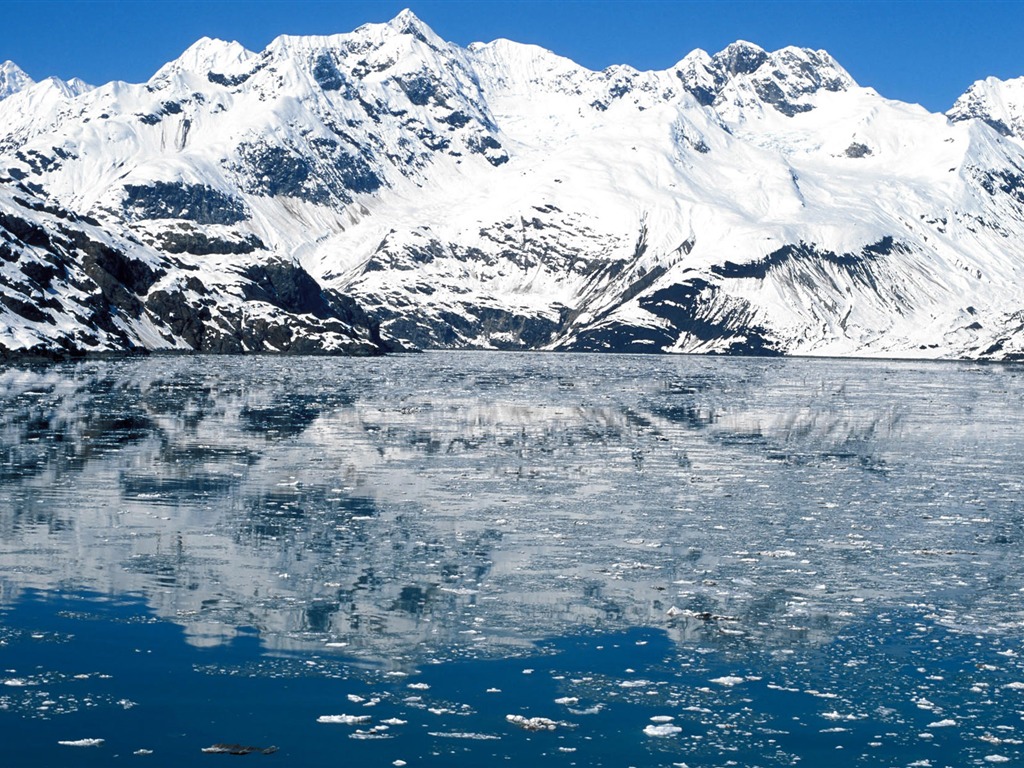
(778, 557)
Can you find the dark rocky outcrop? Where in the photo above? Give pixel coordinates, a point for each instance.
(177, 200)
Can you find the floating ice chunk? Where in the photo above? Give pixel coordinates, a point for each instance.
(376, 732)
(418, 686)
(662, 719)
(143, 752)
(567, 700)
(635, 683)
(463, 735)
(674, 611)
(494, 690)
(237, 749)
(82, 743)
(344, 719)
(996, 759)
(394, 721)
(399, 763)
(532, 723)
(946, 723)
(821, 695)
(778, 553)
(1016, 686)
(727, 680)
(662, 730)
(16, 682)
(355, 698)
(588, 711)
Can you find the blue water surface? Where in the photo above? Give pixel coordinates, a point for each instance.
(476, 559)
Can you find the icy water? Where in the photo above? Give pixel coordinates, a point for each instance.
(671, 561)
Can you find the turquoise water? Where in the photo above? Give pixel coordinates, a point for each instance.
(673, 561)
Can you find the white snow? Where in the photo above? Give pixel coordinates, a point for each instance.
(727, 680)
(534, 187)
(532, 723)
(344, 719)
(662, 730)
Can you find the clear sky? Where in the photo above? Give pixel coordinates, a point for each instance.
(925, 51)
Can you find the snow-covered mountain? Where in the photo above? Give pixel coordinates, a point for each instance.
(387, 189)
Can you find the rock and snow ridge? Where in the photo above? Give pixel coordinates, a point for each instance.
(386, 189)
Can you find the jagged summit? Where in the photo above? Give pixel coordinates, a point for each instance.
(12, 79)
(740, 58)
(743, 73)
(408, 23)
(207, 54)
(998, 103)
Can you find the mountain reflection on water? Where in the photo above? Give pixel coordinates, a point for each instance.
(443, 505)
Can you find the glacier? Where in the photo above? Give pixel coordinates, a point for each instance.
(387, 190)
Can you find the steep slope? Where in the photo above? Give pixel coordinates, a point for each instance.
(998, 103)
(501, 196)
(68, 287)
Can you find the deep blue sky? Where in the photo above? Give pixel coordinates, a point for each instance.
(925, 51)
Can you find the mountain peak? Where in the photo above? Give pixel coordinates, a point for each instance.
(408, 23)
(13, 79)
(782, 79)
(740, 58)
(208, 54)
(998, 103)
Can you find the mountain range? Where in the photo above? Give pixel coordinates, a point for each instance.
(387, 190)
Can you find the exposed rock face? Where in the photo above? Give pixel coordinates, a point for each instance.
(69, 288)
(386, 189)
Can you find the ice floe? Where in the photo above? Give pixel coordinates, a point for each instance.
(463, 735)
(344, 719)
(237, 749)
(662, 730)
(727, 680)
(533, 723)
